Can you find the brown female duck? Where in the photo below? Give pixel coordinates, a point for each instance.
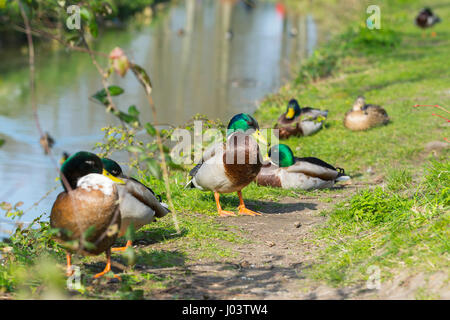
(365, 116)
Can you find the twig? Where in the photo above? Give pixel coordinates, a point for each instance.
(163, 164)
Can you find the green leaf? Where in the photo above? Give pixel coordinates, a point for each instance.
(154, 168)
(135, 149)
(150, 129)
(89, 232)
(129, 235)
(2, 142)
(143, 78)
(133, 111)
(103, 97)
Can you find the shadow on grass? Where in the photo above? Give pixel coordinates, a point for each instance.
(153, 235)
(230, 280)
(265, 207)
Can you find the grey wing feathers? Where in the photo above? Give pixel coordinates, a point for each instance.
(146, 196)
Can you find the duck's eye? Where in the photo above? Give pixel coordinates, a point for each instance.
(90, 163)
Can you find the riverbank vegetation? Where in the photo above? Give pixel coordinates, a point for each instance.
(396, 220)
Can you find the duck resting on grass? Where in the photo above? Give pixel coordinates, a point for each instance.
(231, 166)
(287, 171)
(298, 121)
(138, 203)
(426, 19)
(365, 116)
(87, 211)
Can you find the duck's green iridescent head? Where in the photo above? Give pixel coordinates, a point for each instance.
(112, 167)
(282, 155)
(242, 122)
(245, 123)
(293, 109)
(81, 164)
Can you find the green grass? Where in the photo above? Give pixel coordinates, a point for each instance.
(388, 227)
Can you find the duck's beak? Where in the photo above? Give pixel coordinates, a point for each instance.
(290, 113)
(259, 137)
(115, 179)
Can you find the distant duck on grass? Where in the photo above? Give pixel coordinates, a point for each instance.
(139, 205)
(365, 116)
(298, 121)
(426, 19)
(87, 211)
(231, 166)
(287, 171)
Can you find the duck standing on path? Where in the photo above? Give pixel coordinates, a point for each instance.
(298, 121)
(426, 19)
(138, 203)
(287, 171)
(365, 116)
(231, 166)
(87, 211)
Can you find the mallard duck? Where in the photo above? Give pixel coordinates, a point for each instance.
(231, 166)
(138, 203)
(364, 116)
(426, 18)
(298, 121)
(287, 171)
(88, 207)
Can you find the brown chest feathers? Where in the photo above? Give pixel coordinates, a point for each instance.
(242, 159)
(80, 210)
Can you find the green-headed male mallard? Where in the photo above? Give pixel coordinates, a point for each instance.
(298, 121)
(88, 208)
(287, 171)
(138, 203)
(365, 116)
(231, 166)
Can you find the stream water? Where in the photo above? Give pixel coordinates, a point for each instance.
(228, 57)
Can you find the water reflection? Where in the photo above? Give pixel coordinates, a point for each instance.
(205, 56)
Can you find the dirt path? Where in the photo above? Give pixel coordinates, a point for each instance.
(271, 266)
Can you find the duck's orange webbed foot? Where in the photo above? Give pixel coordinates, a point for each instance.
(247, 212)
(107, 267)
(69, 269)
(121, 249)
(243, 210)
(222, 213)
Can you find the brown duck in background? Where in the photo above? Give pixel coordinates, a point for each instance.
(298, 121)
(88, 213)
(365, 116)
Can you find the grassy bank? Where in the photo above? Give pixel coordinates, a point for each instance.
(402, 222)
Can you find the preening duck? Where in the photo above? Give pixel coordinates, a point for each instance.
(231, 166)
(298, 121)
(365, 116)
(87, 211)
(287, 171)
(139, 205)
